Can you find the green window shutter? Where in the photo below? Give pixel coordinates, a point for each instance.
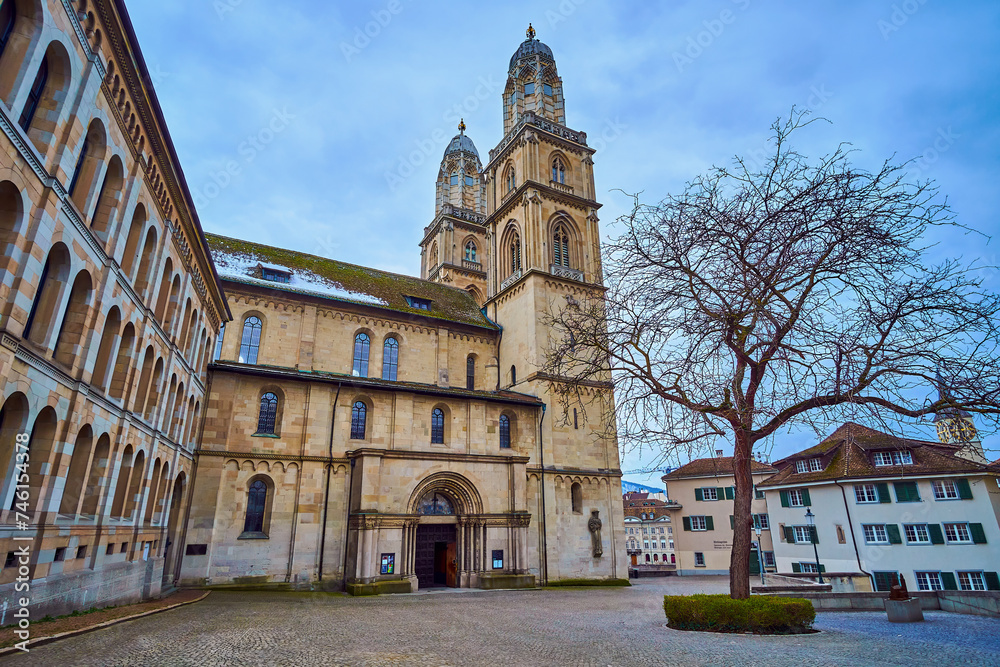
(815, 534)
(790, 534)
(978, 534)
(784, 499)
(964, 492)
(687, 522)
(698, 494)
(948, 581)
(732, 522)
(720, 493)
(892, 530)
(992, 581)
(805, 498)
(906, 492)
(883, 493)
(709, 523)
(937, 535)
(822, 568)
(796, 567)
(730, 492)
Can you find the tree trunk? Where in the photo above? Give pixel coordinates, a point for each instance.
(739, 563)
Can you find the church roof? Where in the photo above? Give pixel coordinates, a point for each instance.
(461, 143)
(242, 262)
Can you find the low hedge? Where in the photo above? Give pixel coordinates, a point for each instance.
(759, 614)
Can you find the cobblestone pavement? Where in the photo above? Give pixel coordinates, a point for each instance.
(613, 626)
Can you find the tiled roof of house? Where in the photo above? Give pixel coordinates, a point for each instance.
(242, 262)
(720, 466)
(847, 453)
(636, 507)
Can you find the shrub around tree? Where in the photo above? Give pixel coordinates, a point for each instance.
(759, 614)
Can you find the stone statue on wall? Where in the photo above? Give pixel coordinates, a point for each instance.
(594, 524)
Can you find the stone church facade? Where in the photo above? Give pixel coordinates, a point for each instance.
(387, 433)
(182, 408)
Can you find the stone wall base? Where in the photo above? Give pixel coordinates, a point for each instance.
(112, 585)
(979, 603)
(380, 587)
(498, 581)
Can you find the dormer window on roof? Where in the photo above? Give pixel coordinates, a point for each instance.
(898, 458)
(810, 465)
(275, 275)
(416, 302)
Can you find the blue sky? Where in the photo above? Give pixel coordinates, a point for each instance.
(319, 126)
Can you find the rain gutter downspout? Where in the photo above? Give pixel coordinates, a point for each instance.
(326, 490)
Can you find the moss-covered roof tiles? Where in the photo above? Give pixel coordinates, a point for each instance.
(240, 261)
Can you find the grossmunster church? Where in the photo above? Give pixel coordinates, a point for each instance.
(181, 408)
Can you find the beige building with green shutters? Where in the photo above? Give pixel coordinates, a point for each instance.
(704, 491)
(886, 507)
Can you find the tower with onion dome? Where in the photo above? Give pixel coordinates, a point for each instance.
(454, 244)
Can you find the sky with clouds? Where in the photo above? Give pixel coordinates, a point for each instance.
(319, 126)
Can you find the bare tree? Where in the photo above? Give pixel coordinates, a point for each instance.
(780, 296)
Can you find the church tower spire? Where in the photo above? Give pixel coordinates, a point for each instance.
(454, 244)
(956, 427)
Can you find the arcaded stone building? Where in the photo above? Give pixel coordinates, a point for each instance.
(109, 308)
(388, 433)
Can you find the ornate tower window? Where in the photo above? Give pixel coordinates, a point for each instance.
(361, 346)
(510, 179)
(34, 95)
(250, 344)
(470, 372)
(268, 413)
(359, 415)
(470, 251)
(558, 171)
(454, 178)
(560, 247)
(515, 253)
(529, 88)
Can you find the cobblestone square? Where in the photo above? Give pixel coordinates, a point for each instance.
(614, 626)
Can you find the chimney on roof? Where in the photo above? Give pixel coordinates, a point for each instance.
(718, 453)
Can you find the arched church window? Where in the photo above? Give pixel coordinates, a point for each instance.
(268, 413)
(470, 251)
(390, 358)
(513, 374)
(7, 19)
(515, 253)
(529, 88)
(359, 415)
(454, 178)
(470, 372)
(469, 180)
(250, 344)
(558, 171)
(437, 426)
(576, 497)
(79, 164)
(361, 346)
(560, 247)
(35, 94)
(504, 432)
(256, 503)
(547, 89)
(435, 504)
(511, 179)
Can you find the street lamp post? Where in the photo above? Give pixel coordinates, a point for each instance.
(810, 517)
(760, 553)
